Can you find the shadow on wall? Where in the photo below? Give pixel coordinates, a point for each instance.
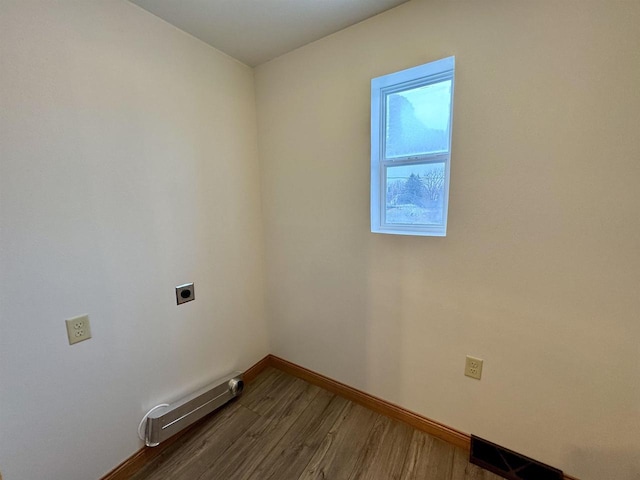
(600, 463)
(383, 330)
(317, 307)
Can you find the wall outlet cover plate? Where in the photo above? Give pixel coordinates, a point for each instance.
(78, 329)
(185, 293)
(473, 367)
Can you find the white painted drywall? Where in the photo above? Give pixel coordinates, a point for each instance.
(540, 272)
(128, 166)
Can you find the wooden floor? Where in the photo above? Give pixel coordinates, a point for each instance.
(283, 428)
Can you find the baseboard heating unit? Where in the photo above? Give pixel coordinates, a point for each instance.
(165, 420)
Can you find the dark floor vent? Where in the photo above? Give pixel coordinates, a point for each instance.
(509, 464)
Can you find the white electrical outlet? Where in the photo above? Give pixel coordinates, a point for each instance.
(78, 329)
(473, 367)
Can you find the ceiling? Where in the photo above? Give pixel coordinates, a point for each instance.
(256, 31)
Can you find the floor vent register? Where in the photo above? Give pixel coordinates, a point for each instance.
(509, 464)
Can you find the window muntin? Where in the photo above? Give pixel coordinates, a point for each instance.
(411, 118)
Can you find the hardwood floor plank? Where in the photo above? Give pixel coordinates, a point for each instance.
(385, 451)
(288, 459)
(463, 470)
(266, 375)
(270, 394)
(283, 428)
(243, 457)
(336, 457)
(207, 442)
(264, 385)
(429, 458)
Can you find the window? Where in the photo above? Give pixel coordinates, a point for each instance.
(411, 114)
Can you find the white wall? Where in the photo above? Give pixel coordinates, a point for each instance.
(540, 272)
(128, 166)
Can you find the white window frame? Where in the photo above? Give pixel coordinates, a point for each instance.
(381, 87)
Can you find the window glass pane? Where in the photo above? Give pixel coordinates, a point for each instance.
(415, 194)
(417, 120)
